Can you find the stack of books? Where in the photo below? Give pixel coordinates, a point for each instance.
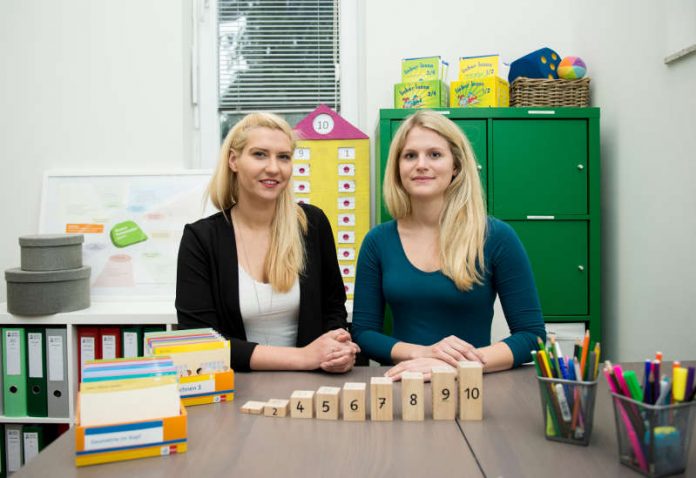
(129, 408)
(202, 361)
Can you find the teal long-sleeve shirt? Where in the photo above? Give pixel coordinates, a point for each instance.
(427, 307)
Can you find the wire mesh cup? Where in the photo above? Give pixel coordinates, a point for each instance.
(653, 439)
(568, 409)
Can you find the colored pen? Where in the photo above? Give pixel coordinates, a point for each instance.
(679, 384)
(585, 350)
(658, 356)
(689, 382)
(657, 386)
(646, 380)
(631, 380)
(598, 354)
(663, 397)
(610, 374)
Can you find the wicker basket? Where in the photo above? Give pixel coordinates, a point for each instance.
(543, 92)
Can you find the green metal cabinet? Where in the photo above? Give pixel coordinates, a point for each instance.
(540, 172)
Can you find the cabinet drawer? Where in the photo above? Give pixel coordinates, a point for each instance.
(539, 167)
(558, 251)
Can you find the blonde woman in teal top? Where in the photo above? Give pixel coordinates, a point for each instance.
(440, 264)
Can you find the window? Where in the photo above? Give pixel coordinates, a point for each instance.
(276, 55)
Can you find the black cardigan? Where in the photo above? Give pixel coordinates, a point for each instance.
(207, 283)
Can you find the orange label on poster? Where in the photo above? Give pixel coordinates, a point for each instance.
(84, 228)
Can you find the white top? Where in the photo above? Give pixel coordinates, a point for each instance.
(270, 318)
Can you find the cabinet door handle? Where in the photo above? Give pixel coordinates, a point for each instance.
(581, 268)
(479, 167)
(580, 167)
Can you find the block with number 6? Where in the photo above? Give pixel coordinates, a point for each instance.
(354, 401)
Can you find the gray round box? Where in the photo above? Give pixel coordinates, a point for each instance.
(43, 293)
(51, 252)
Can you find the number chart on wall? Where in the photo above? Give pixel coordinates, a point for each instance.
(332, 171)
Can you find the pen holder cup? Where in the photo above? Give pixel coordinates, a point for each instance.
(653, 440)
(568, 409)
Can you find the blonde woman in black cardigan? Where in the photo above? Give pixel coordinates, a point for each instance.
(263, 271)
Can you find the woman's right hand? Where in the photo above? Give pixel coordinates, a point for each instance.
(451, 350)
(333, 351)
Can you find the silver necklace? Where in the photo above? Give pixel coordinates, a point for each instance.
(253, 281)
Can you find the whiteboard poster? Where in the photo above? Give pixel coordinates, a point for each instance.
(132, 225)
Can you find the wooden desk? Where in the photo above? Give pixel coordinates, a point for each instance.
(224, 442)
(510, 441)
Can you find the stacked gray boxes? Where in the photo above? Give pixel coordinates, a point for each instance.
(51, 279)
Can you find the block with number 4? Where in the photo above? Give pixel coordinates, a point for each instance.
(302, 404)
(470, 390)
(327, 403)
(412, 397)
(381, 399)
(354, 401)
(443, 380)
(276, 407)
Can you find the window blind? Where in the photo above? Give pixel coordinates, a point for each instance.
(279, 55)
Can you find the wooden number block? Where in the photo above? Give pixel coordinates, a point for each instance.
(277, 407)
(354, 401)
(302, 404)
(381, 399)
(412, 397)
(470, 391)
(327, 403)
(444, 393)
(253, 407)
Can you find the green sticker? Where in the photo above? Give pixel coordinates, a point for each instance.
(127, 233)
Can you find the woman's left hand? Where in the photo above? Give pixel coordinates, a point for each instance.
(423, 364)
(342, 359)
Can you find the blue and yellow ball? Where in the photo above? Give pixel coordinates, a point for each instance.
(571, 68)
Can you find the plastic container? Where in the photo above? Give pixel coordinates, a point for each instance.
(653, 440)
(567, 407)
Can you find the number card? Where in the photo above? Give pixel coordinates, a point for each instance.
(327, 403)
(443, 382)
(346, 219)
(301, 154)
(470, 390)
(412, 397)
(302, 404)
(346, 170)
(354, 401)
(346, 237)
(345, 186)
(347, 271)
(381, 399)
(276, 407)
(349, 287)
(300, 169)
(301, 187)
(346, 203)
(346, 154)
(346, 253)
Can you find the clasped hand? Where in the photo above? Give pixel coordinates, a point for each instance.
(333, 352)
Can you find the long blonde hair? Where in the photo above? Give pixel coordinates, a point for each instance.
(463, 218)
(285, 260)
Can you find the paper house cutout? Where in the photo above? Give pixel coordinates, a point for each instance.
(340, 128)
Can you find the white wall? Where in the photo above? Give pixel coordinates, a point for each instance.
(648, 134)
(105, 84)
(87, 84)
